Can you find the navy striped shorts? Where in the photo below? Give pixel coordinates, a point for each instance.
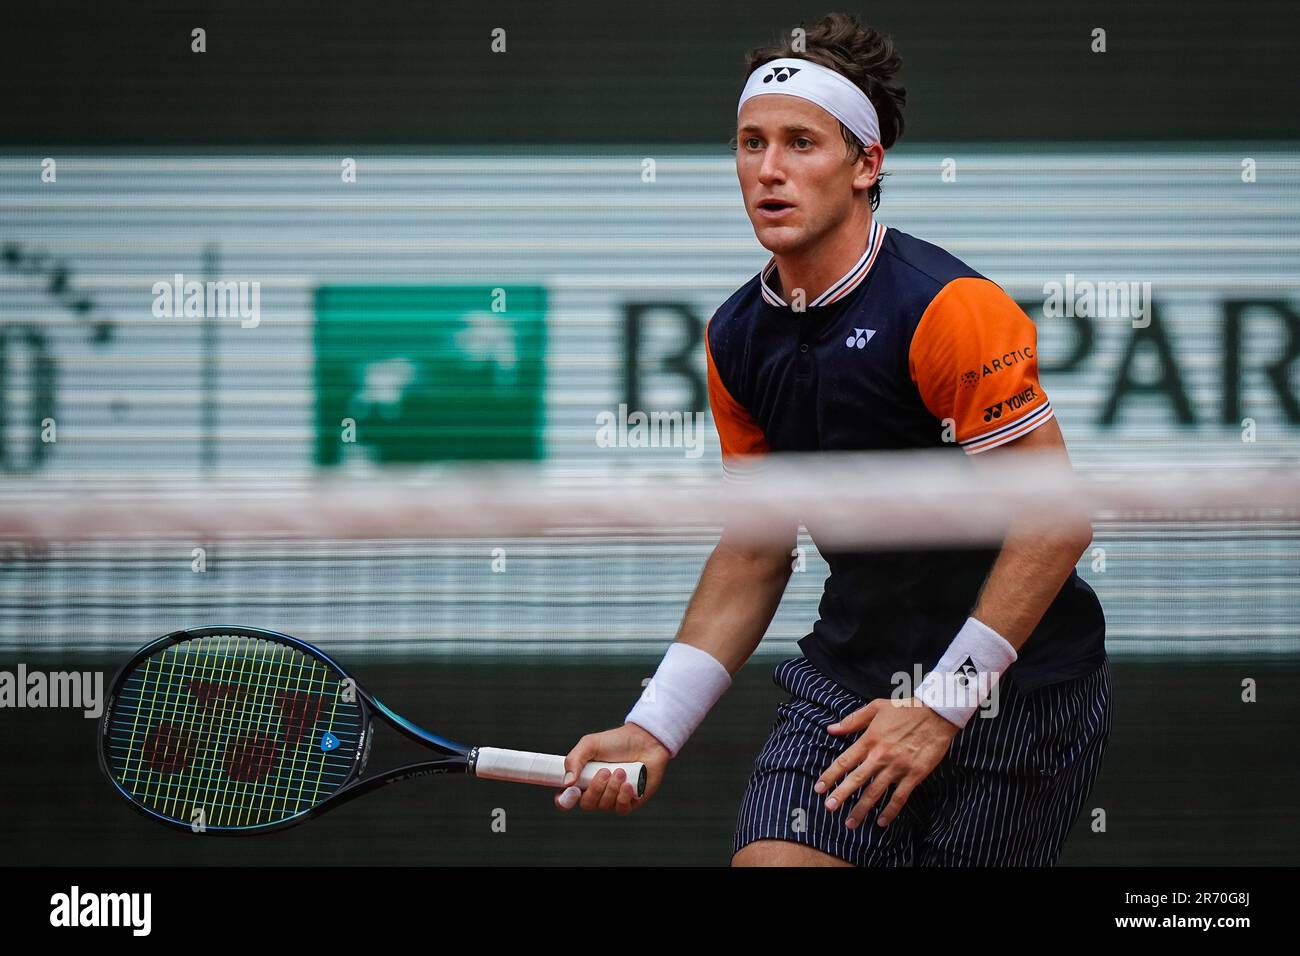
(1006, 793)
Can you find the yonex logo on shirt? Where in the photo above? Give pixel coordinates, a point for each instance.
(1015, 402)
(859, 338)
(781, 74)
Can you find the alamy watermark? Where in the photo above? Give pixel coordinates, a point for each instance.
(651, 430)
(1099, 300)
(79, 690)
(76, 908)
(960, 689)
(214, 299)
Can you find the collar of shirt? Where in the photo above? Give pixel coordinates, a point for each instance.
(838, 289)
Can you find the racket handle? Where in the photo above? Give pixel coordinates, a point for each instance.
(520, 766)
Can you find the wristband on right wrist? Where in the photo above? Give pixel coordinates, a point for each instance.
(685, 687)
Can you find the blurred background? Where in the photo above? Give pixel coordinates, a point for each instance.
(475, 233)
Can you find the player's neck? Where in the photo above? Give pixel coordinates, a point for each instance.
(815, 270)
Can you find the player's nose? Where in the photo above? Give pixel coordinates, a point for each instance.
(770, 170)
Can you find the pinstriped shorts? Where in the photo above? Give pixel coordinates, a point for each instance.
(1006, 793)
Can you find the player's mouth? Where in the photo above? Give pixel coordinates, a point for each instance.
(774, 208)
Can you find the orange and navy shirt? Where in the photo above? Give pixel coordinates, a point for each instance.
(911, 348)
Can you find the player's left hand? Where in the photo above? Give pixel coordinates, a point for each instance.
(904, 741)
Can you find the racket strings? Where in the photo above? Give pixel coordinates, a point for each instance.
(250, 731)
(172, 693)
(246, 740)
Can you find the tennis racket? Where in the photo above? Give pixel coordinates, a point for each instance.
(235, 730)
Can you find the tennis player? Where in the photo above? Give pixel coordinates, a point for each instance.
(857, 336)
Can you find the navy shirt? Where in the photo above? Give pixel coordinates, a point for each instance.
(911, 348)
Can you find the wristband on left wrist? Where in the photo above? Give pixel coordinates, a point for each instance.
(966, 673)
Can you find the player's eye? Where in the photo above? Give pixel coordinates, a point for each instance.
(803, 139)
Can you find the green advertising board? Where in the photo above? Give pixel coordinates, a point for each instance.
(409, 374)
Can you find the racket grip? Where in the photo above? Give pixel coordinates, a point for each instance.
(521, 766)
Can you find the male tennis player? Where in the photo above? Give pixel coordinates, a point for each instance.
(858, 336)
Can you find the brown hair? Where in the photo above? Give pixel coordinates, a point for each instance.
(862, 54)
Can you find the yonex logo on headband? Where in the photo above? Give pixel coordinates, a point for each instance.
(832, 91)
(781, 74)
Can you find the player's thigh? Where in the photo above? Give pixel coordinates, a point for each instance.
(784, 853)
(780, 805)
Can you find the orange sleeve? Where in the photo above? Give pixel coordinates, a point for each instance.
(974, 359)
(738, 433)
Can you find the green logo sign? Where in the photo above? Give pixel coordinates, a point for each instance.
(429, 373)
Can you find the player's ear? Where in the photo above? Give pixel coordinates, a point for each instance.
(870, 162)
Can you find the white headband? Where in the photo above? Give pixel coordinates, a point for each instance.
(832, 91)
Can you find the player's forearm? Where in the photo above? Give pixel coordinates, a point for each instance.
(733, 604)
(727, 616)
(1027, 576)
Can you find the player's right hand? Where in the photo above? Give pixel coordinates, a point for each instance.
(630, 742)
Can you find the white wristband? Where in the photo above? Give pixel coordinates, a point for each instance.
(966, 673)
(687, 684)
